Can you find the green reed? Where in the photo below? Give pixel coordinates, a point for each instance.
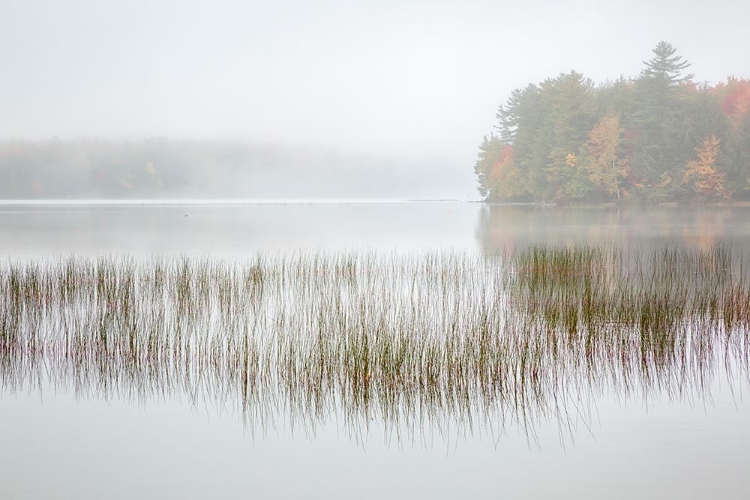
(405, 340)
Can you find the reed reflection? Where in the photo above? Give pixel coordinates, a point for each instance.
(436, 341)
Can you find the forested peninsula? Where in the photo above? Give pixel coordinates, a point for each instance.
(660, 137)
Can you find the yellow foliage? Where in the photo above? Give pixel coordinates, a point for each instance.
(701, 174)
(154, 175)
(604, 167)
(571, 160)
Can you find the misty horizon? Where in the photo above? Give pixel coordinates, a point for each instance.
(398, 81)
(162, 169)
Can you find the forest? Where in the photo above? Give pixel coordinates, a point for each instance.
(153, 168)
(660, 137)
(162, 168)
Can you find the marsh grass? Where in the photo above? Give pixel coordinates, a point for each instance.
(443, 339)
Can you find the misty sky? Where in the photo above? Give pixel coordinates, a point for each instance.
(387, 78)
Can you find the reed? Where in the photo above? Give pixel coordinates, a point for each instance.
(437, 339)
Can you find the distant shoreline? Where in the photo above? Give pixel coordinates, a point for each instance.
(346, 201)
(177, 202)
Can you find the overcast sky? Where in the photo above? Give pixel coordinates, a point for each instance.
(392, 79)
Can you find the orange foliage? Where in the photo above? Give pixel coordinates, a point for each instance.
(501, 166)
(505, 180)
(736, 102)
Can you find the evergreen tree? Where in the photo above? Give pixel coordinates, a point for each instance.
(665, 68)
(570, 103)
(736, 160)
(523, 118)
(661, 150)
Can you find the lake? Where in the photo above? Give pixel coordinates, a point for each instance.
(683, 434)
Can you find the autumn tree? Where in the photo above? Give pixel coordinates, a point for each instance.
(497, 175)
(701, 174)
(506, 180)
(490, 151)
(605, 167)
(735, 102)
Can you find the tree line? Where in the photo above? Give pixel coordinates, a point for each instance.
(162, 168)
(659, 137)
(149, 168)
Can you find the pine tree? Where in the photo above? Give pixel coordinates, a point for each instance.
(570, 103)
(661, 149)
(665, 68)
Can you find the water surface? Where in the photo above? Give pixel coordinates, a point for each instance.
(68, 443)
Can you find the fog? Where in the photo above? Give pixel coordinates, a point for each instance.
(411, 82)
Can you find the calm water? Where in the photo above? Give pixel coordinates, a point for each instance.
(63, 444)
(245, 229)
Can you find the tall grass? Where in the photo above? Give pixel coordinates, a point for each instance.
(439, 339)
